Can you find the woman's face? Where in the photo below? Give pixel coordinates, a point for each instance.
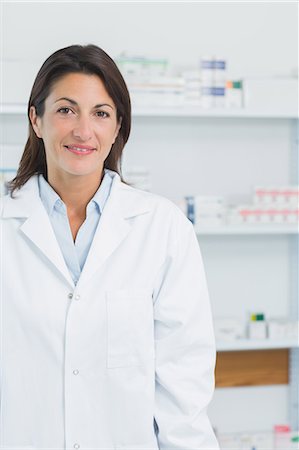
(78, 127)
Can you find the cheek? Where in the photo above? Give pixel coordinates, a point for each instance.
(106, 132)
(62, 126)
(56, 132)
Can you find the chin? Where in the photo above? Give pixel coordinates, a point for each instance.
(85, 173)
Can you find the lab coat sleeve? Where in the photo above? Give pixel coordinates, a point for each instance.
(184, 346)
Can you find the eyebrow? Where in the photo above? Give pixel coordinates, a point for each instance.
(73, 102)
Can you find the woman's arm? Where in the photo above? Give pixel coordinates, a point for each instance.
(185, 347)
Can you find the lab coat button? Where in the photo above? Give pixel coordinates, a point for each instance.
(75, 372)
(77, 297)
(76, 446)
(70, 295)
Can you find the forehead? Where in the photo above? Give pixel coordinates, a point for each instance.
(79, 85)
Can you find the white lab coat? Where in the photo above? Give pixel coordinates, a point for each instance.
(125, 359)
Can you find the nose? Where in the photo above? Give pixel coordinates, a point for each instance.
(82, 129)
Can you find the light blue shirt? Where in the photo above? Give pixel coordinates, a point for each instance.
(74, 253)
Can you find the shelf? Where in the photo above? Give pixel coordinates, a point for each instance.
(258, 367)
(254, 344)
(197, 111)
(182, 111)
(6, 108)
(247, 229)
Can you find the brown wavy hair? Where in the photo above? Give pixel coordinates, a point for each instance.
(87, 59)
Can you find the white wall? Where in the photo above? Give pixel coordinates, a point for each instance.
(257, 38)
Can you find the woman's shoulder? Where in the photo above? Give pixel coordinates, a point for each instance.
(156, 203)
(22, 201)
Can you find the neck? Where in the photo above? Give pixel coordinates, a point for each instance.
(76, 191)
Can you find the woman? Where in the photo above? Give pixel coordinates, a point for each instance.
(107, 337)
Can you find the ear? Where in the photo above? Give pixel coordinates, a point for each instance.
(35, 121)
(118, 126)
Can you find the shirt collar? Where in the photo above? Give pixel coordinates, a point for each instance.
(50, 198)
(102, 194)
(47, 194)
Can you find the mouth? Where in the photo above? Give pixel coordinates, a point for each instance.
(80, 149)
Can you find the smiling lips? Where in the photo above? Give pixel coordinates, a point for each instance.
(80, 149)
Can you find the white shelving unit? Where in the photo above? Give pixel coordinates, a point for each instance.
(197, 111)
(289, 232)
(248, 230)
(16, 108)
(254, 344)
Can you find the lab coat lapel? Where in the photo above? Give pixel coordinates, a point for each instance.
(39, 230)
(36, 226)
(111, 231)
(124, 203)
(113, 227)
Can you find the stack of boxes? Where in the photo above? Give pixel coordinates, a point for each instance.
(271, 205)
(230, 329)
(151, 83)
(206, 210)
(213, 78)
(282, 438)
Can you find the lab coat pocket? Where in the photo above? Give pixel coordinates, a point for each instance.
(130, 328)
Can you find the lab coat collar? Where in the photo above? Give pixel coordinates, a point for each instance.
(123, 203)
(26, 200)
(35, 224)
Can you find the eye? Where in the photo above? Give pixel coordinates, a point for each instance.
(64, 110)
(103, 114)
